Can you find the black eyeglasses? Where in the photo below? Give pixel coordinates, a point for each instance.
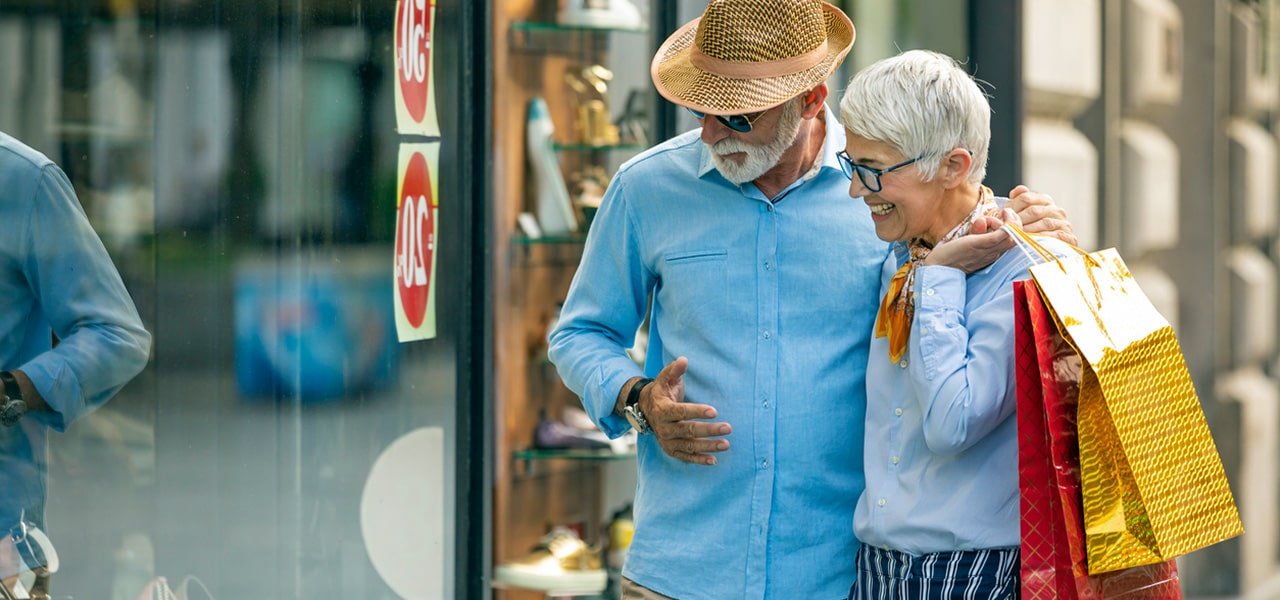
(869, 177)
(738, 123)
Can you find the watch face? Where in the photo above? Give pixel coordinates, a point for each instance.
(11, 411)
(636, 419)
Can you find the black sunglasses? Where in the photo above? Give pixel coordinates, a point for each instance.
(738, 123)
(870, 177)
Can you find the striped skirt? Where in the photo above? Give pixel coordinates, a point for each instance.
(966, 575)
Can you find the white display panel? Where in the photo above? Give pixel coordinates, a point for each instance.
(1256, 487)
(1252, 305)
(1062, 55)
(1255, 86)
(1252, 155)
(1060, 161)
(1152, 49)
(1150, 197)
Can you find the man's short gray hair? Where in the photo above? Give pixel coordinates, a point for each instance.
(923, 104)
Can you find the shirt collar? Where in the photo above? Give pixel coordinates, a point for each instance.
(832, 143)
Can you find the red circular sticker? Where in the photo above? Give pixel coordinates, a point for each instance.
(415, 240)
(413, 54)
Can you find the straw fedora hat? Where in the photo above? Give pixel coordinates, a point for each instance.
(745, 56)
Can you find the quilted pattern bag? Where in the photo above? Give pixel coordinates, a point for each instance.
(1052, 528)
(1152, 483)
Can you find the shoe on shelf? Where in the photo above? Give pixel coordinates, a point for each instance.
(562, 564)
(600, 13)
(551, 434)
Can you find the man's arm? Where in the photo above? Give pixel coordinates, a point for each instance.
(1033, 211)
(102, 344)
(604, 307)
(1040, 215)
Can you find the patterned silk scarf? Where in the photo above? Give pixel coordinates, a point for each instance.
(898, 308)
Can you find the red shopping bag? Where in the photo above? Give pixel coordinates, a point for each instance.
(1052, 522)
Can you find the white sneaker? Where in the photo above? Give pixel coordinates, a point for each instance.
(562, 564)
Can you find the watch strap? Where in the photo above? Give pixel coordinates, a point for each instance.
(631, 407)
(633, 396)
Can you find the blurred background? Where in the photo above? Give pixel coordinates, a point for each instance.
(239, 160)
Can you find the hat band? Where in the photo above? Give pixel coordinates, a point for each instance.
(756, 70)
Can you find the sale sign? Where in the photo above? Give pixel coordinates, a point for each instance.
(415, 75)
(415, 250)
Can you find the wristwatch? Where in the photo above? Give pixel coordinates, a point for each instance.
(631, 408)
(13, 407)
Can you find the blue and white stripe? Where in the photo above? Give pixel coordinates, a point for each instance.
(989, 574)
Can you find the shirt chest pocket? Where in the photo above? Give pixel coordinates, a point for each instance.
(693, 282)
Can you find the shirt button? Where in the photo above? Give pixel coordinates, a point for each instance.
(767, 335)
(893, 460)
(928, 292)
(880, 502)
(764, 463)
(902, 364)
(897, 412)
(766, 401)
(768, 266)
(924, 329)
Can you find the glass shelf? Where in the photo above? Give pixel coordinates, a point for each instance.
(568, 238)
(558, 147)
(536, 26)
(602, 454)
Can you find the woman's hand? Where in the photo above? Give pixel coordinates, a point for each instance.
(985, 243)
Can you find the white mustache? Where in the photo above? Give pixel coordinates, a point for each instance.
(730, 146)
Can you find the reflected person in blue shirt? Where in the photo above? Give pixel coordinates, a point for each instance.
(939, 515)
(56, 280)
(763, 277)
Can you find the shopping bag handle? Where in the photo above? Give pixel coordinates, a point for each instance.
(1024, 240)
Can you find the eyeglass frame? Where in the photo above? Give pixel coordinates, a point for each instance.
(847, 166)
(729, 120)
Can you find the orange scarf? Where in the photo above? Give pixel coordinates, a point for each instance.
(897, 309)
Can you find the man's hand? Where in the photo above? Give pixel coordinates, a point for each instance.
(1040, 215)
(985, 243)
(673, 421)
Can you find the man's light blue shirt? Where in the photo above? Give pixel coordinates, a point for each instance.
(773, 304)
(55, 277)
(941, 441)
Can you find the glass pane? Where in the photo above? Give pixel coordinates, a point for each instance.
(238, 161)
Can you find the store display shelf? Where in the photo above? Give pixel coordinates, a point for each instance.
(565, 239)
(537, 26)
(603, 454)
(558, 147)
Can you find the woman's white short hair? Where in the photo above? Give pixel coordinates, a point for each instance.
(923, 104)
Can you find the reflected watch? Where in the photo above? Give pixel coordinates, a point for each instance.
(631, 408)
(13, 406)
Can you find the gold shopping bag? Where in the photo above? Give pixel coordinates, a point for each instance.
(1153, 483)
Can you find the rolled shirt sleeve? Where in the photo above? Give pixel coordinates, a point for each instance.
(599, 319)
(77, 289)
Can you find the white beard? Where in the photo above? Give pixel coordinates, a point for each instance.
(760, 158)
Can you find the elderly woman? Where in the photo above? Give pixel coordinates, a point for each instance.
(939, 517)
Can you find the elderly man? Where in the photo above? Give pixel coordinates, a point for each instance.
(764, 279)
